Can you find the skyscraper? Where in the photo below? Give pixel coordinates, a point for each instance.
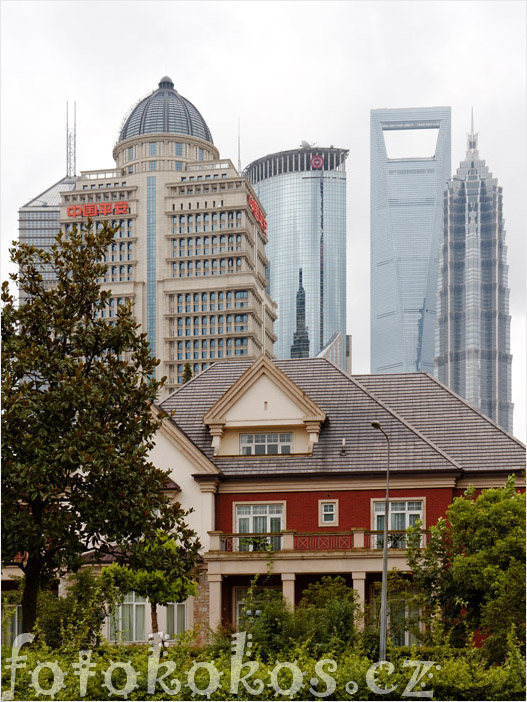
(406, 221)
(303, 192)
(190, 250)
(38, 221)
(473, 324)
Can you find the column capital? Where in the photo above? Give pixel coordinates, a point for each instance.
(288, 576)
(214, 577)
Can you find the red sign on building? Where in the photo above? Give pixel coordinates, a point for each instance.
(258, 213)
(317, 161)
(98, 209)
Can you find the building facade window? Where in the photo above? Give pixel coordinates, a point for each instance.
(127, 622)
(259, 519)
(328, 513)
(403, 514)
(176, 618)
(266, 444)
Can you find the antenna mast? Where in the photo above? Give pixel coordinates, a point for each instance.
(71, 142)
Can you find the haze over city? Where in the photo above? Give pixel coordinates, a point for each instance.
(288, 71)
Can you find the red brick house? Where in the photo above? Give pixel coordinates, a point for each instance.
(284, 453)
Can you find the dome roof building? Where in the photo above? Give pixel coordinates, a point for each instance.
(190, 238)
(165, 111)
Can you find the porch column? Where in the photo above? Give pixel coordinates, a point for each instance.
(214, 600)
(288, 589)
(359, 585)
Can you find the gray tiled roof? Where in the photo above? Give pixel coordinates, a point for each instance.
(471, 438)
(430, 428)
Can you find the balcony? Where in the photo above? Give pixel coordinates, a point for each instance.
(288, 541)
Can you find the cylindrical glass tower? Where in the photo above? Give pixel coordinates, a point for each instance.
(304, 195)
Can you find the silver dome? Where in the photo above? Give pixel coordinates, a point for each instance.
(165, 110)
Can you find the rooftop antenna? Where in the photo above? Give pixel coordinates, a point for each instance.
(71, 142)
(239, 151)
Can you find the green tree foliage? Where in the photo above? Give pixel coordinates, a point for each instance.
(187, 373)
(76, 422)
(161, 568)
(472, 572)
(328, 613)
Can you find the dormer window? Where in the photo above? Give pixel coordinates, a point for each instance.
(265, 444)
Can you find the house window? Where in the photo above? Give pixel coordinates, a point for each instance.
(328, 513)
(259, 519)
(403, 514)
(12, 623)
(262, 444)
(127, 622)
(176, 619)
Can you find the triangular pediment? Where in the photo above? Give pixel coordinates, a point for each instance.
(201, 464)
(261, 394)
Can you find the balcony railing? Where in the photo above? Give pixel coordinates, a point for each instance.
(290, 540)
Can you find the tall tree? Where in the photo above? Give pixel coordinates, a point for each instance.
(76, 422)
(472, 573)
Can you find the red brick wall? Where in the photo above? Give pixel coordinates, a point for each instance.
(354, 506)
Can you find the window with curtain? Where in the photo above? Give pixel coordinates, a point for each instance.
(176, 618)
(127, 622)
(403, 514)
(259, 519)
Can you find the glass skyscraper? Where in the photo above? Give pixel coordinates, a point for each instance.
(406, 222)
(303, 192)
(473, 327)
(38, 221)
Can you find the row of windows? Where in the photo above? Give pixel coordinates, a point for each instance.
(269, 518)
(206, 267)
(93, 186)
(196, 205)
(203, 302)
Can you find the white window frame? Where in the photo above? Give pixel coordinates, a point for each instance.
(175, 611)
(135, 602)
(267, 442)
(376, 542)
(256, 503)
(321, 521)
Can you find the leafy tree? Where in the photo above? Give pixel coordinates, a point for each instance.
(472, 572)
(77, 421)
(160, 568)
(187, 373)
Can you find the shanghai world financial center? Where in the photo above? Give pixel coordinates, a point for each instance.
(406, 224)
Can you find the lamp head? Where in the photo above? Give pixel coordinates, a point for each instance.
(376, 425)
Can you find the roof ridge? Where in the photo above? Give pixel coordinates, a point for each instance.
(406, 423)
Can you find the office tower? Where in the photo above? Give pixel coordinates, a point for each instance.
(303, 192)
(190, 250)
(406, 203)
(38, 222)
(473, 323)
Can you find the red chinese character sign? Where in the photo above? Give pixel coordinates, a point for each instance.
(257, 212)
(317, 162)
(94, 209)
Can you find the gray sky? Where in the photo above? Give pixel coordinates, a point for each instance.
(290, 71)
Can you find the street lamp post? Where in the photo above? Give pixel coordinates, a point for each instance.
(384, 591)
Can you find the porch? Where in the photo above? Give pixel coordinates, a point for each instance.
(355, 554)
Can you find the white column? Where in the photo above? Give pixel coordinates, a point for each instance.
(214, 600)
(288, 589)
(359, 585)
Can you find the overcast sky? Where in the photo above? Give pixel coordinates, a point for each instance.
(290, 71)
